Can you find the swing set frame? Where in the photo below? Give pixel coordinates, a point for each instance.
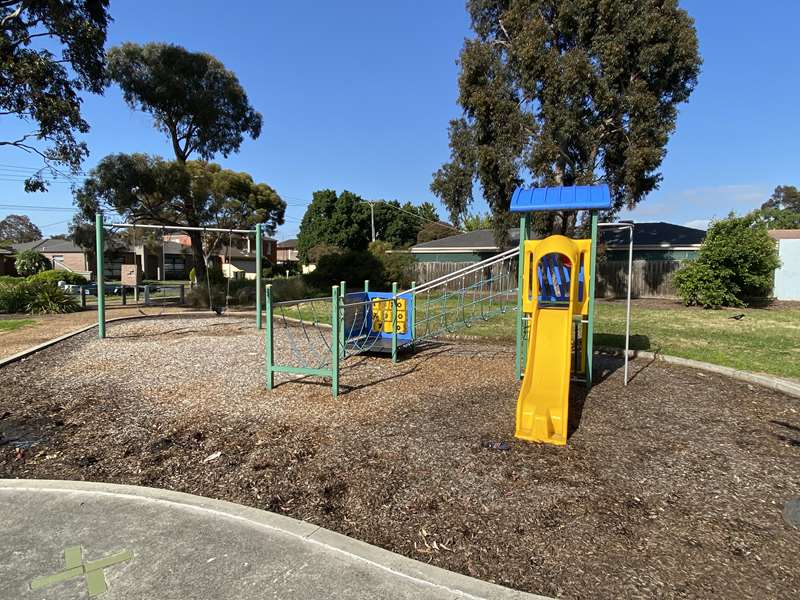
(101, 225)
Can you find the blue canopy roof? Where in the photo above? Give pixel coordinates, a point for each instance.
(579, 197)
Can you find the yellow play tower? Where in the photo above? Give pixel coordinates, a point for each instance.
(555, 311)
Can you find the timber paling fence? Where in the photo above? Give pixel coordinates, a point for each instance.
(650, 278)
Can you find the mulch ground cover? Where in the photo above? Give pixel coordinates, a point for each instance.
(671, 487)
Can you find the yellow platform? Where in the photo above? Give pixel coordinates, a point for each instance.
(543, 403)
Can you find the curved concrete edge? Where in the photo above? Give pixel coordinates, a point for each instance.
(33, 349)
(785, 386)
(461, 586)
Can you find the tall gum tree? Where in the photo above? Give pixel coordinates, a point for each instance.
(566, 92)
(204, 111)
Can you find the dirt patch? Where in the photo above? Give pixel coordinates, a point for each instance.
(671, 487)
(47, 327)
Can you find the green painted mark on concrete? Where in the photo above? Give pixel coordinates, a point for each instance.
(92, 571)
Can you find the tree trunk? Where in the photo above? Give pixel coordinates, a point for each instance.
(198, 257)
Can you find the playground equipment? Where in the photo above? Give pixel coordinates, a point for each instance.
(549, 283)
(100, 227)
(383, 322)
(557, 299)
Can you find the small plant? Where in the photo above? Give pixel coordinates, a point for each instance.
(30, 262)
(14, 297)
(48, 298)
(56, 275)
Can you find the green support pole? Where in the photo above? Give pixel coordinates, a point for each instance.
(523, 234)
(101, 287)
(334, 338)
(259, 275)
(413, 311)
(590, 325)
(343, 301)
(268, 339)
(366, 286)
(394, 322)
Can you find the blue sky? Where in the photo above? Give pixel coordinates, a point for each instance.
(357, 95)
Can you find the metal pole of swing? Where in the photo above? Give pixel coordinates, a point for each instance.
(628, 306)
(259, 275)
(99, 278)
(269, 341)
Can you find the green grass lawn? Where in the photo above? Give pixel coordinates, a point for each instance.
(14, 324)
(764, 340)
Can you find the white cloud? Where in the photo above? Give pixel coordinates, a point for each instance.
(698, 224)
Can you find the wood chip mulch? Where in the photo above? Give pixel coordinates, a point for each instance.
(672, 487)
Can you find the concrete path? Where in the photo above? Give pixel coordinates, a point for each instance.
(76, 540)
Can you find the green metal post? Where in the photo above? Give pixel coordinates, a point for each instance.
(269, 341)
(366, 286)
(412, 310)
(342, 294)
(100, 279)
(523, 233)
(394, 322)
(334, 343)
(259, 275)
(590, 325)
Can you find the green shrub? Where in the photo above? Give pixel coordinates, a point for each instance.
(352, 266)
(192, 275)
(14, 297)
(35, 297)
(736, 263)
(397, 266)
(10, 279)
(56, 275)
(291, 288)
(48, 298)
(30, 262)
(699, 285)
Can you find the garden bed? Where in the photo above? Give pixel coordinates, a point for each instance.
(671, 487)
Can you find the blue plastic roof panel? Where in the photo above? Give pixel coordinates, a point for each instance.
(579, 197)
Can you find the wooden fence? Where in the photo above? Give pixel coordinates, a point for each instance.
(651, 278)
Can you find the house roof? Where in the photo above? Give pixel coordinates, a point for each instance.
(645, 235)
(48, 245)
(784, 234)
(654, 235)
(291, 244)
(480, 239)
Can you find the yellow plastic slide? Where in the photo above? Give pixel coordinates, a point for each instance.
(543, 404)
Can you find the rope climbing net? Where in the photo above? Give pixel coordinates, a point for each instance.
(305, 333)
(474, 294)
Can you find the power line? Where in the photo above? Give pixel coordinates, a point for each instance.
(46, 208)
(408, 212)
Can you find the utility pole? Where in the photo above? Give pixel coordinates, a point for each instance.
(372, 217)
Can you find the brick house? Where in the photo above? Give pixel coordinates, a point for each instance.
(63, 254)
(172, 261)
(287, 252)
